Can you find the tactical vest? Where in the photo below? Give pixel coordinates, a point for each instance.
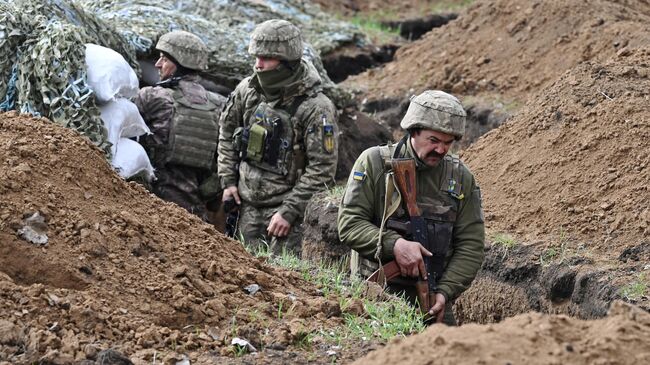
(439, 212)
(193, 133)
(273, 140)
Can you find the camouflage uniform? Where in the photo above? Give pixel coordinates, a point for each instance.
(183, 118)
(278, 150)
(447, 195)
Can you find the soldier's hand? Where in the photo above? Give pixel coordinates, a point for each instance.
(231, 192)
(278, 227)
(437, 312)
(408, 255)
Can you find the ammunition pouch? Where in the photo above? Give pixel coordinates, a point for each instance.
(256, 143)
(270, 142)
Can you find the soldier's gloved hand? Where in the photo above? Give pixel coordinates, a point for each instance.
(231, 192)
(278, 227)
(408, 255)
(437, 312)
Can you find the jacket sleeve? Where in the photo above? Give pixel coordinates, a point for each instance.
(230, 119)
(357, 209)
(467, 243)
(320, 165)
(156, 106)
(220, 102)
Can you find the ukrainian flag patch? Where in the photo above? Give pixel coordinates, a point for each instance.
(359, 175)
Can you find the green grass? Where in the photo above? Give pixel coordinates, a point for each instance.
(383, 320)
(559, 252)
(504, 240)
(446, 6)
(336, 193)
(636, 289)
(373, 28)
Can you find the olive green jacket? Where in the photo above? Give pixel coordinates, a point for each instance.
(361, 211)
(261, 188)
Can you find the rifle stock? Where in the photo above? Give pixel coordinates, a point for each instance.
(405, 178)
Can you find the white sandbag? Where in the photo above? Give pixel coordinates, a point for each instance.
(122, 120)
(130, 159)
(109, 75)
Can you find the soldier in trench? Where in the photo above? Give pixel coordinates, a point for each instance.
(447, 195)
(278, 142)
(184, 121)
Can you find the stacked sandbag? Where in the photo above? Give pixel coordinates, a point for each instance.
(114, 83)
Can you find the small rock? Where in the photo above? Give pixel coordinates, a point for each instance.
(331, 353)
(183, 361)
(252, 289)
(34, 230)
(112, 357)
(9, 333)
(91, 351)
(607, 206)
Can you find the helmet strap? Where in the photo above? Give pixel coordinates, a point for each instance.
(400, 144)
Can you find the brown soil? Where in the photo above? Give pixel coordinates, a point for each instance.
(530, 338)
(575, 161)
(126, 270)
(511, 48)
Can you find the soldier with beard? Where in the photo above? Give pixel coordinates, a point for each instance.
(184, 121)
(278, 139)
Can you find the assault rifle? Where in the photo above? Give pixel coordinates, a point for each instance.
(404, 174)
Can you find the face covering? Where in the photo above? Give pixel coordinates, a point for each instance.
(274, 81)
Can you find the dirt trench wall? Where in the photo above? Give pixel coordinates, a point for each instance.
(122, 268)
(517, 280)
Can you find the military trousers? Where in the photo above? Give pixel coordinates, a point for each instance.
(252, 225)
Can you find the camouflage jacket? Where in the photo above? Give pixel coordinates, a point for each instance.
(156, 105)
(362, 208)
(311, 113)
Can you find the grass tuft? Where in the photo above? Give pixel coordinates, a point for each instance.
(636, 289)
(504, 240)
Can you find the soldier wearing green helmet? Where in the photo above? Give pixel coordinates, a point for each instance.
(278, 139)
(447, 195)
(184, 121)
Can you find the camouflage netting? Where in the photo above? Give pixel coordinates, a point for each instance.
(225, 27)
(42, 62)
(42, 47)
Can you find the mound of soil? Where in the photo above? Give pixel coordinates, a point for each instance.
(123, 269)
(575, 161)
(509, 47)
(531, 338)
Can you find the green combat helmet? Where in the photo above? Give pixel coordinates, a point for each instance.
(276, 38)
(186, 48)
(436, 110)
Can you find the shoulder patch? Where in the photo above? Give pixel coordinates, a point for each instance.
(328, 134)
(359, 175)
